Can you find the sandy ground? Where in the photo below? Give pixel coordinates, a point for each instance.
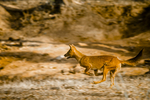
(41, 72)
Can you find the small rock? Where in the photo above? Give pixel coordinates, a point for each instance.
(69, 87)
(65, 71)
(77, 70)
(45, 54)
(71, 70)
(55, 88)
(60, 57)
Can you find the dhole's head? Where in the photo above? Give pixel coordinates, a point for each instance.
(71, 52)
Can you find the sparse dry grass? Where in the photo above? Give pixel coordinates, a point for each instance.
(77, 89)
(29, 77)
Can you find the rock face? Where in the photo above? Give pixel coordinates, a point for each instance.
(77, 19)
(4, 19)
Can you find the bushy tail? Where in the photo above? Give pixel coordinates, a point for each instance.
(133, 61)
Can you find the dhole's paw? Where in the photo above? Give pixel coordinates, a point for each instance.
(95, 82)
(111, 86)
(90, 74)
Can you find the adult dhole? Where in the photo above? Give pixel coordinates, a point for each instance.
(108, 63)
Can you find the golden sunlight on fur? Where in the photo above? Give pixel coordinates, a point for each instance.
(108, 63)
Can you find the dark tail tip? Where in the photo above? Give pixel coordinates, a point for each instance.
(137, 57)
(140, 53)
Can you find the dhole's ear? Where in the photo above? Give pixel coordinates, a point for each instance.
(70, 46)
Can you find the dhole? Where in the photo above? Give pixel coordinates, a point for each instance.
(108, 63)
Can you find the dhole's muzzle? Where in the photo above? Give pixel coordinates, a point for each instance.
(67, 55)
(70, 53)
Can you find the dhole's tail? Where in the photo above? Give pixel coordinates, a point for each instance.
(134, 60)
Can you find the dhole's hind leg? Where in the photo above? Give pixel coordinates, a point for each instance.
(113, 74)
(96, 72)
(105, 71)
(112, 78)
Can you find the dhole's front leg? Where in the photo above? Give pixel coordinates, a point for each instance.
(86, 71)
(105, 71)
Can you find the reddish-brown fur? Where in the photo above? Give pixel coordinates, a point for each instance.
(108, 63)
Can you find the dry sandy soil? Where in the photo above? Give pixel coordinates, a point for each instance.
(35, 36)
